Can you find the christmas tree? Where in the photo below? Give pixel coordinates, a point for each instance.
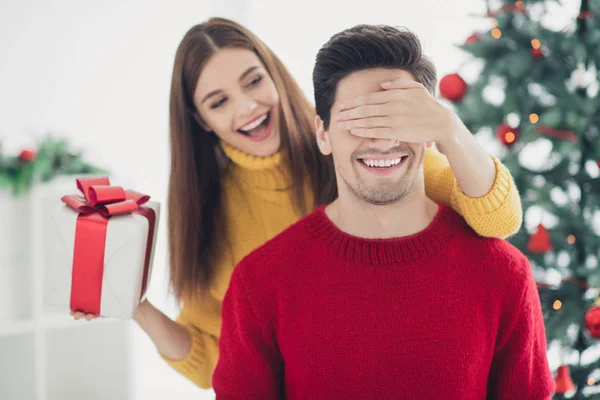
(534, 96)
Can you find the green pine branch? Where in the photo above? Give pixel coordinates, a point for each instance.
(54, 158)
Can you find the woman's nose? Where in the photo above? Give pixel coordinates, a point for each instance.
(247, 107)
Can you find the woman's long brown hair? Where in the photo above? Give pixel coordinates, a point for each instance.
(195, 211)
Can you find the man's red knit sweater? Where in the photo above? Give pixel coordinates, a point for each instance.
(444, 314)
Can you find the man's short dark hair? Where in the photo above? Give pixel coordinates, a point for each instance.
(364, 47)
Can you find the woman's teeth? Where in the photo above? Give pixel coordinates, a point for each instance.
(382, 163)
(254, 124)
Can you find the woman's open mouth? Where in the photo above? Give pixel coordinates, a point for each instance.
(259, 129)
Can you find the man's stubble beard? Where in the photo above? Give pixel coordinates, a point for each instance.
(382, 197)
(385, 196)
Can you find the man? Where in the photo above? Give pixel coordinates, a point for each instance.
(349, 304)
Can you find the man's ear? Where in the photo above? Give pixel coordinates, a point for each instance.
(322, 136)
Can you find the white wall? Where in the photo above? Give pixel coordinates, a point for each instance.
(99, 73)
(296, 30)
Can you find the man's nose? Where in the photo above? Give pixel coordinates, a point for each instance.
(386, 144)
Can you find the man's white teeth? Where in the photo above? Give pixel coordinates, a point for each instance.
(254, 124)
(382, 163)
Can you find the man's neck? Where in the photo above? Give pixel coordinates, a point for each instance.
(407, 217)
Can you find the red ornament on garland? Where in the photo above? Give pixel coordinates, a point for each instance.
(540, 241)
(585, 15)
(592, 319)
(537, 53)
(453, 87)
(563, 380)
(27, 155)
(507, 134)
(472, 39)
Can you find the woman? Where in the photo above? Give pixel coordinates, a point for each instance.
(245, 165)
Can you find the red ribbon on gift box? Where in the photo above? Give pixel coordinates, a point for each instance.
(100, 201)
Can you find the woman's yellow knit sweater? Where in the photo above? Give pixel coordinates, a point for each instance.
(258, 206)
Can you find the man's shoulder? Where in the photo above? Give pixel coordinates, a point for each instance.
(503, 255)
(493, 247)
(496, 264)
(498, 256)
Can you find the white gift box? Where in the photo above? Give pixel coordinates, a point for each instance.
(119, 283)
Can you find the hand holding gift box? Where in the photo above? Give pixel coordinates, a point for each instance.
(103, 262)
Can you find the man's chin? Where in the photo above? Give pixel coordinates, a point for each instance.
(382, 202)
(382, 193)
(380, 196)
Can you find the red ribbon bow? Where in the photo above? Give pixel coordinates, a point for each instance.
(99, 196)
(99, 202)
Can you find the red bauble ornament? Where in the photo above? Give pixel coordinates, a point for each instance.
(592, 321)
(507, 134)
(540, 241)
(27, 155)
(472, 39)
(563, 380)
(537, 53)
(453, 87)
(598, 162)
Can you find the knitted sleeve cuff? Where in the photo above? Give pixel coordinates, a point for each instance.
(496, 214)
(492, 200)
(199, 363)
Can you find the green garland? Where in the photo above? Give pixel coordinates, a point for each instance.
(52, 158)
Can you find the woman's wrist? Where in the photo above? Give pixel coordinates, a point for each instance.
(456, 140)
(473, 167)
(172, 340)
(141, 314)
